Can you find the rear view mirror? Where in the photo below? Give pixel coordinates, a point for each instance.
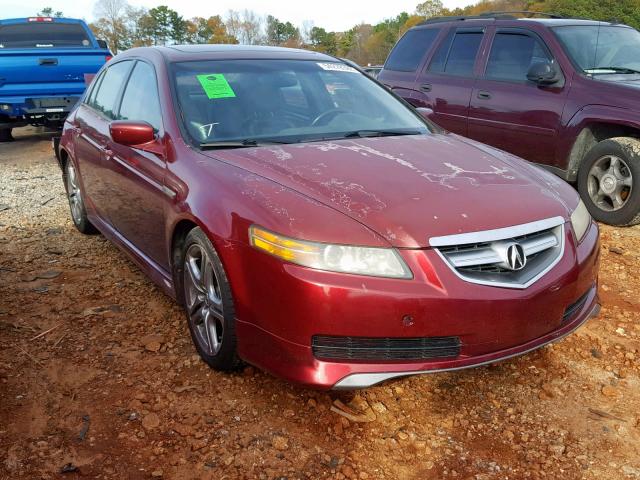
(131, 134)
(543, 73)
(103, 44)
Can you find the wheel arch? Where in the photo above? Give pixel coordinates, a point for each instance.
(590, 135)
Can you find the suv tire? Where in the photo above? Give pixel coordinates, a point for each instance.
(208, 302)
(609, 181)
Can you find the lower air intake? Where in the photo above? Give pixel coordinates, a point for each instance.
(375, 348)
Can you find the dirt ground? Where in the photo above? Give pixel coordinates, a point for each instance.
(99, 379)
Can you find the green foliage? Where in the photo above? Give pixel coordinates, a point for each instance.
(48, 12)
(124, 26)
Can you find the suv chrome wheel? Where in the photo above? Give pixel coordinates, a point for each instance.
(610, 183)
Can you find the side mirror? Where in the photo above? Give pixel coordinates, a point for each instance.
(543, 73)
(103, 44)
(425, 112)
(131, 134)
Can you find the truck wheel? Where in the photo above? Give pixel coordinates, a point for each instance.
(609, 181)
(5, 135)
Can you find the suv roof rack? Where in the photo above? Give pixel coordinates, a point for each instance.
(489, 16)
(523, 12)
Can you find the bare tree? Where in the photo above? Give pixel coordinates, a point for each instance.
(112, 15)
(305, 31)
(246, 26)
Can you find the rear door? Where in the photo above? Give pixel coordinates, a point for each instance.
(510, 112)
(400, 69)
(445, 85)
(135, 178)
(92, 126)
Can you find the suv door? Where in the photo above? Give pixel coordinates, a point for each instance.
(92, 126)
(136, 177)
(510, 112)
(445, 85)
(399, 72)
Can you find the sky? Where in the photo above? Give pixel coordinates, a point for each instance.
(333, 15)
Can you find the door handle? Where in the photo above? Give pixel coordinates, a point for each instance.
(425, 87)
(484, 95)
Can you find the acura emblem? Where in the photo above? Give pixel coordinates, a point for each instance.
(516, 258)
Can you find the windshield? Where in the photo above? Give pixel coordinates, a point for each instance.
(599, 49)
(285, 101)
(43, 35)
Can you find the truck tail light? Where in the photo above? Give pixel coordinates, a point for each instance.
(107, 58)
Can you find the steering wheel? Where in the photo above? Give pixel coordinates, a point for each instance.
(329, 114)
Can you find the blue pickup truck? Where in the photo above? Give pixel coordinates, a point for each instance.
(44, 65)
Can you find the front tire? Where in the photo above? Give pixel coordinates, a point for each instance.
(76, 200)
(609, 181)
(208, 303)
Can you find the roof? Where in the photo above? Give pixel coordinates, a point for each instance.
(505, 17)
(175, 53)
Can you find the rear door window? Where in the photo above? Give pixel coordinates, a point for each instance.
(140, 100)
(410, 50)
(457, 54)
(43, 35)
(512, 54)
(109, 88)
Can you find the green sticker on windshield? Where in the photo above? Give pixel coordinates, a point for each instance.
(215, 85)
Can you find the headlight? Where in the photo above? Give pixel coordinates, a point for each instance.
(580, 220)
(373, 261)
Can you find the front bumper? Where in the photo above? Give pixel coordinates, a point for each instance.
(280, 310)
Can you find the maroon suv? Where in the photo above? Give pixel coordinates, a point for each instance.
(562, 93)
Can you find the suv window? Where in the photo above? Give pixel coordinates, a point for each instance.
(408, 52)
(457, 53)
(512, 54)
(110, 84)
(140, 99)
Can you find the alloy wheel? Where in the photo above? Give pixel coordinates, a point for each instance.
(610, 183)
(74, 194)
(204, 301)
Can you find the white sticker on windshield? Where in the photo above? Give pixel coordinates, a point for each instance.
(337, 67)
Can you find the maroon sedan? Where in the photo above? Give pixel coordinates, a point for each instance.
(314, 225)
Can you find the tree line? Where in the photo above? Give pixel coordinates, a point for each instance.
(124, 26)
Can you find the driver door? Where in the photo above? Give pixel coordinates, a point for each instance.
(509, 112)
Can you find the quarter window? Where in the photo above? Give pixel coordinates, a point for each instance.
(457, 54)
(512, 54)
(110, 85)
(410, 50)
(140, 100)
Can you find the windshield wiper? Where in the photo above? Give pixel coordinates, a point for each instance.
(241, 143)
(380, 133)
(614, 69)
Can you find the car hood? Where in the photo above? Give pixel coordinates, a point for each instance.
(411, 188)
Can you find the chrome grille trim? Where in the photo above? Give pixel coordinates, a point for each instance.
(477, 259)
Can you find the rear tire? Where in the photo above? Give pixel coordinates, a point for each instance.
(5, 135)
(609, 181)
(208, 302)
(76, 200)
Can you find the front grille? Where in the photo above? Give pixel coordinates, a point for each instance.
(575, 307)
(486, 261)
(384, 348)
